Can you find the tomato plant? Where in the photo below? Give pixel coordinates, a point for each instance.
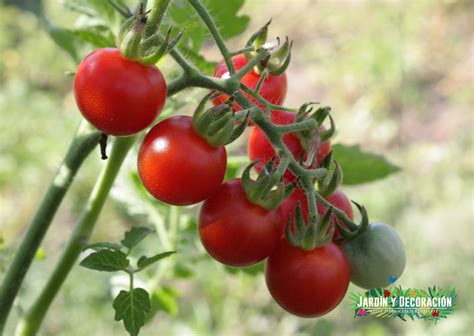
(235, 231)
(183, 160)
(259, 148)
(307, 283)
(173, 155)
(118, 96)
(273, 88)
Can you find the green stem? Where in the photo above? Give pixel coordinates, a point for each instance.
(158, 9)
(265, 102)
(250, 64)
(35, 315)
(84, 141)
(211, 26)
(304, 125)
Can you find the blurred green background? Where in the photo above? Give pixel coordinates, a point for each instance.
(400, 78)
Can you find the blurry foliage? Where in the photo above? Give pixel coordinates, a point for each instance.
(399, 76)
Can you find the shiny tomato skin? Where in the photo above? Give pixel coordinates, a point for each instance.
(177, 166)
(339, 199)
(273, 89)
(118, 96)
(307, 283)
(235, 231)
(259, 148)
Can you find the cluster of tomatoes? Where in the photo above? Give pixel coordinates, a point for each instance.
(178, 166)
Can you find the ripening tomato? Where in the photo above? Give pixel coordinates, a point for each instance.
(235, 231)
(307, 283)
(259, 148)
(273, 88)
(177, 166)
(375, 256)
(338, 199)
(118, 96)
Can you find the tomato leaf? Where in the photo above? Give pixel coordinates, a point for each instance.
(106, 261)
(361, 167)
(145, 261)
(132, 308)
(135, 235)
(230, 24)
(65, 39)
(103, 246)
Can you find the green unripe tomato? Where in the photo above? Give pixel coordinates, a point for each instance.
(375, 255)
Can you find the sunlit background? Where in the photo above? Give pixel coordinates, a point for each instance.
(400, 78)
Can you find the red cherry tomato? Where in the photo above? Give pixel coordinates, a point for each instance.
(235, 231)
(273, 88)
(307, 283)
(177, 166)
(118, 96)
(259, 148)
(338, 199)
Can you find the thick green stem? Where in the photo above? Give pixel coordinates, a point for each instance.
(158, 9)
(35, 315)
(83, 143)
(206, 18)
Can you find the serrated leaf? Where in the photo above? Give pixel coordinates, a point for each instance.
(103, 246)
(361, 167)
(132, 308)
(145, 261)
(135, 235)
(106, 261)
(229, 23)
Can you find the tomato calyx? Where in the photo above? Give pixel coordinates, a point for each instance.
(135, 45)
(219, 125)
(328, 184)
(311, 235)
(279, 59)
(268, 190)
(353, 230)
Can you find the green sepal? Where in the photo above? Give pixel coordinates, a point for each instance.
(130, 41)
(268, 190)
(218, 125)
(280, 59)
(327, 134)
(323, 237)
(257, 40)
(311, 235)
(328, 185)
(353, 229)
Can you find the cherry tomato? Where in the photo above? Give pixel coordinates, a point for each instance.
(307, 283)
(235, 231)
(118, 96)
(338, 199)
(177, 166)
(375, 256)
(259, 148)
(273, 88)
